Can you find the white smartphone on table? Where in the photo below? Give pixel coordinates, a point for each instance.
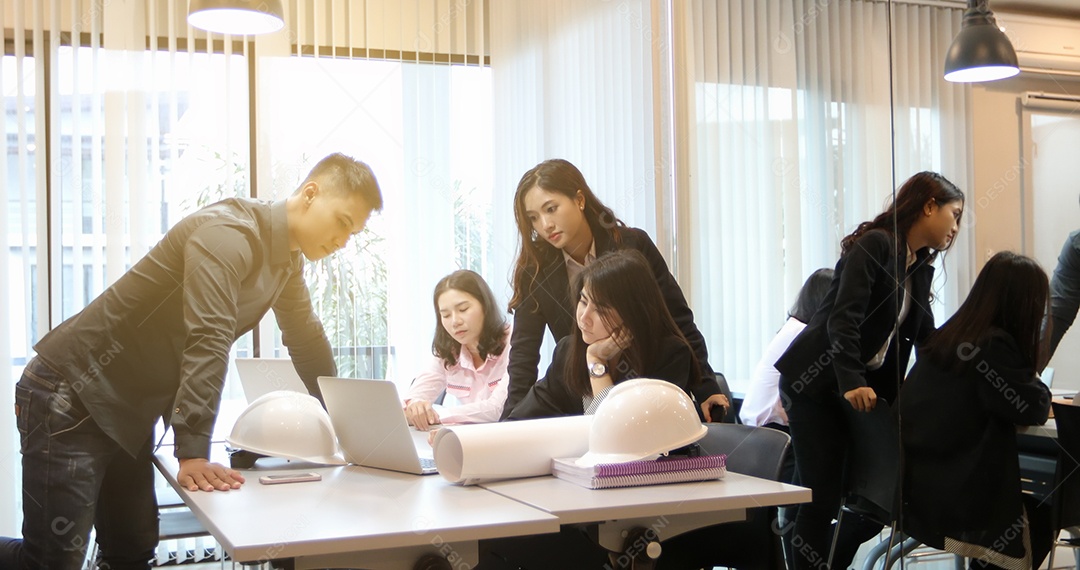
(289, 478)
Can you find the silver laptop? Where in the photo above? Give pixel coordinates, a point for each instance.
(259, 376)
(371, 426)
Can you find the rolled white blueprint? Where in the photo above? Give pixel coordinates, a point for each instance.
(474, 453)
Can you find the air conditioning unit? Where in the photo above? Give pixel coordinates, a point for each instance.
(1044, 45)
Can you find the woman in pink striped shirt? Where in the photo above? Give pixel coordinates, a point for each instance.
(469, 356)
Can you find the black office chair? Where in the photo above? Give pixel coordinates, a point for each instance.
(872, 471)
(750, 450)
(872, 477)
(752, 543)
(1066, 494)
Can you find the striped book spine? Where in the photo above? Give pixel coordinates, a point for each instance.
(662, 465)
(658, 478)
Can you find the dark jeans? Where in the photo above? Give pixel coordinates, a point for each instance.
(819, 436)
(76, 477)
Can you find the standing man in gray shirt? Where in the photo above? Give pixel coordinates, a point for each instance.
(1065, 290)
(156, 344)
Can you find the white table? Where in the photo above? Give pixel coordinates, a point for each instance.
(371, 518)
(667, 510)
(355, 516)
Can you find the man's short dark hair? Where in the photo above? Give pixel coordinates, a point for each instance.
(348, 177)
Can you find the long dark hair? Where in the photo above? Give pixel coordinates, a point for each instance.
(493, 334)
(1010, 294)
(554, 175)
(811, 294)
(906, 209)
(621, 283)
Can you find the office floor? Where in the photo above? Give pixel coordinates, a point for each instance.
(928, 559)
(924, 561)
(1064, 558)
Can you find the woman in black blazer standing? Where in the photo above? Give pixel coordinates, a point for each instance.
(975, 381)
(564, 227)
(848, 354)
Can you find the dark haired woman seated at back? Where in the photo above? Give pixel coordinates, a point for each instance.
(623, 331)
(974, 382)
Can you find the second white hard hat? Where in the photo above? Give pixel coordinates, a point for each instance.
(642, 419)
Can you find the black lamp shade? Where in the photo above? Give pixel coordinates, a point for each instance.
(237, 17)
(981, 51)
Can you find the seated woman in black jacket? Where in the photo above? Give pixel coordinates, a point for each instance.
(623, 331)
(974, 382)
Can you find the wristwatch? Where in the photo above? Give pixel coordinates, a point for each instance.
(597, 369)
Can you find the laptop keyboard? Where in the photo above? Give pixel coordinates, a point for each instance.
(427, 463)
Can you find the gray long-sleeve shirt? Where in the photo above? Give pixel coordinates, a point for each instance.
(156, 342)
(1065, 289)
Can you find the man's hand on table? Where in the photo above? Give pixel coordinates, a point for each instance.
(197, 473)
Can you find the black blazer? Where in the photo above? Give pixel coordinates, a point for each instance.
(549, 305)
(855, 318)
(961, 473)
(551, 397)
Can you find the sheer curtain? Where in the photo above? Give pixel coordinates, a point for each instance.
(20, 309)
(576, 80)
(119, 121)
(790, 148)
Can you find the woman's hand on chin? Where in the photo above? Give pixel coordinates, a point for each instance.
(608, 348)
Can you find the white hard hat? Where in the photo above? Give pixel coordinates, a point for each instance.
(287, 424)
(641, 419)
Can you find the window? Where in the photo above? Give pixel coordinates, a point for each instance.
(425, 131)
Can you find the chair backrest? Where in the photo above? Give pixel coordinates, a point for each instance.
(1067, 499)
(754, 451)
(873, 462)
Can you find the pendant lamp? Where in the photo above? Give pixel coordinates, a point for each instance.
(981, 51)
(237, 17)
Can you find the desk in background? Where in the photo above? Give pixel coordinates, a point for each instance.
(1038, 451)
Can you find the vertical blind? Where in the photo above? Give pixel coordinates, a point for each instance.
(791, 149)
(575, 80)
(771, 117)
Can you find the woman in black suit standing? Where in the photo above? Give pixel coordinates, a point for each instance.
(848, 354)
(564, 227)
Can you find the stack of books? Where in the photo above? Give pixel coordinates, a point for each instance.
(633, 473)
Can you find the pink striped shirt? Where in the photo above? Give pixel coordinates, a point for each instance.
(480, 392)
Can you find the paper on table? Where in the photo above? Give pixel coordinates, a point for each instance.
(469, 454)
